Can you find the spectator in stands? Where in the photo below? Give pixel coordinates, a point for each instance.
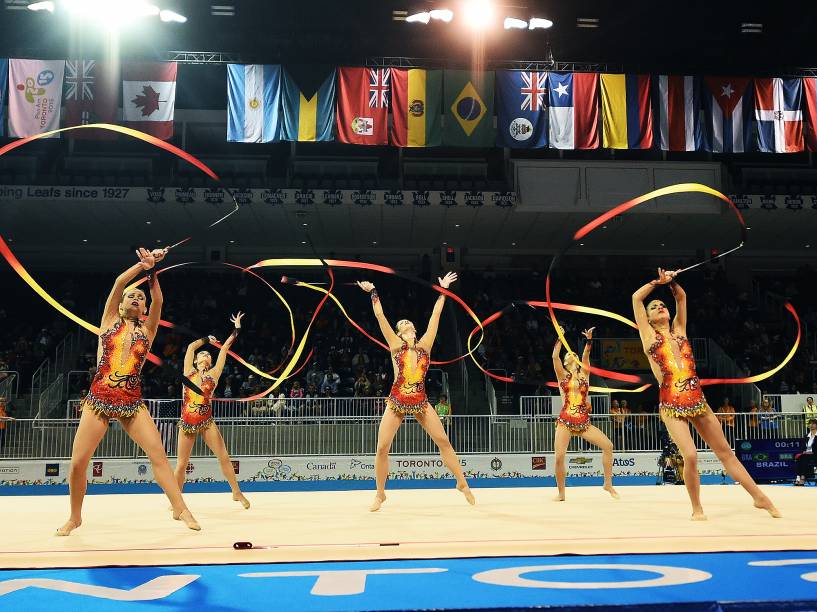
(331, 382)
(618, 419)
(314, 375)
(806, 461)
(360, 361)
(296, 392)
(809, 410)
(726, 415)
(4, 416)
(443, 408)
(752, 420)
(624, 409)
(363, 386)
(768, 418)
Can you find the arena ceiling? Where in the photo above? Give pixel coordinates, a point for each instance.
(696, 35)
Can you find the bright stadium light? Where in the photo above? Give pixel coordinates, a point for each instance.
(41, 6)
(537, 23)
(442, 15)
(478, 14)
(512, 23)
(418, 18)
(171, 16)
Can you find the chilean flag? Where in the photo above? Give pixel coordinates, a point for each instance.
(573, 110)
(679, 110)
(728, 107)
(779, 115)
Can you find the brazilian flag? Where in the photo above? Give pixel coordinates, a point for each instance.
(308, 103)
(469, 109)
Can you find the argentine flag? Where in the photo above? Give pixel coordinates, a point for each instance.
(254, 98)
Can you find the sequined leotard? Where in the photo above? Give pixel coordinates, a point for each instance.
(116, 390)
(197, 411)
(681, 395)
(575, 414)
(408, 393)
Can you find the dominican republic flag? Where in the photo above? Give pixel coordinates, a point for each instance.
(679, 112)
(728, 112)
(573, 110)
(363, 105)
(91, 96)
(779, 115)
(626, 112)
(522, 109)
(35, 96)
(149, 97)
(4, 79)
(253, 102)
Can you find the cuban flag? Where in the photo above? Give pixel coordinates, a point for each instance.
(728, 112)
(253, 103)
(679, 112)
(779, 115)
(522, 109)
(573, 110)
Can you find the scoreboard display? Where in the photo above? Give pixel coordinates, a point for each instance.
(769, 460)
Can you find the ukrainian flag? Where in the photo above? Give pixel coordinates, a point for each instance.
(308, 117)
(626, 113)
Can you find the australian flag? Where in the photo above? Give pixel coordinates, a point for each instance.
(522, 112)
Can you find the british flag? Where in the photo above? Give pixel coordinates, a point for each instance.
(534, 87)
(379, 87)
(91, 96)
(79, 79)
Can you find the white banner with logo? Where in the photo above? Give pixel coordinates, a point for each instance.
(274, 197)
(35, 96)
(343, 467)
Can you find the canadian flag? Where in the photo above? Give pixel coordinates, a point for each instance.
(149, 97)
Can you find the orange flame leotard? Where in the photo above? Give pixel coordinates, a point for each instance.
(116, 390)
(197, 411)
(681, 395)
(575, 414)
(408, 393)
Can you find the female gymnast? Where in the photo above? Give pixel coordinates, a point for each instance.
(197, 411)
(574, 419)
(681, 400)
(116, 390)
(410, 358)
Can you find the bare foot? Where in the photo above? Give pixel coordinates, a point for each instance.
(188, 519)
(698, 515)
(613, 493)
(767, 505)
(239, 497)
(378, 501)
(559, 497)
(466, 490)
(69, 526)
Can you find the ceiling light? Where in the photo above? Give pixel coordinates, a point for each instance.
(147, 222)
(418, 18)
(303, 241)
(304, 224)
(442, 15)
(41, 6)
(478, 14)
(587, 22)
(456, 225)
(511, 23)
(85, 240)
(171, 17)
(751, 28)
(537, 23)
(513, 244)
(222, 10)
(232, 241)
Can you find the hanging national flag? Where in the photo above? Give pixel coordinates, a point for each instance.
(727, 103)
(679, 111)
(35, 96)
(416, 107)
(521, 109)
(308, 115)
(91, 96)
(149, 97)
(573, 110)
(779, 115)
(363, 105)
(626, 113)
(810, 112)
(469, 109)
(253, 102)
(4, 79)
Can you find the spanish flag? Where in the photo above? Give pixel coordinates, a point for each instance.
(308, 114)
(626, 114)
(416, 107)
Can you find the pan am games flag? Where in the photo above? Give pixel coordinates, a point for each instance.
(253, 101)
(469, 109)
(35, 96)
(308, 116)
(416, 107)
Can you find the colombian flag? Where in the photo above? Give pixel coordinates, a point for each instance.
(626, 113)
(308, 117)
(416, 102)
